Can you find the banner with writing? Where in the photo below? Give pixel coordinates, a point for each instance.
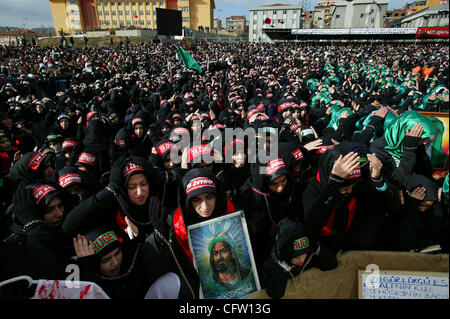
(441, 32)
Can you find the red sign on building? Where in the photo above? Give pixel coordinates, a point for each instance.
(441, 32)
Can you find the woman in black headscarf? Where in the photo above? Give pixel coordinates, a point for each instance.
(233, 175)
(200, 198)
(125, 201)
(419, 222)
(270, 195)
(345, 202)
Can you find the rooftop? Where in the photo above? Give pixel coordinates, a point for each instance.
(18, 32)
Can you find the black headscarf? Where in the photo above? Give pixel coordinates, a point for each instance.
(411, 182)
(188, 213)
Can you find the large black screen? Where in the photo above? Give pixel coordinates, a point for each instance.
(168, 22)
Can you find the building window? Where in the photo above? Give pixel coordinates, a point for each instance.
(113, 3)
(107, 22)
(122, 23)
(106, 13)
(154, 3)
(185, 19)
(161, 3)
(120, 12)
(105, 4)
(134, 12)
(127, 12)
(99, 3)
(133, 3)
(128, 22)
(114, 22)
(127, 3)
(135, 22)
(101, 22)
(147, 3)
(119, 3)
(149, 12)
(100, 13)
(142, 22)
(113, 13)
(141, 3)
(141, 12)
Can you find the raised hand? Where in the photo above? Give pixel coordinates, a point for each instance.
(416, 130)
(381, 112)
(344, 165)
(82, 247)
(131, 229)
(375, 165)
(418, 193)
(314, 145)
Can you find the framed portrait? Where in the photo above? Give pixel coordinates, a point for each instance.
(223, 257)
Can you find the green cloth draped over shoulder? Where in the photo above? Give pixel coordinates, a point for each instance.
(336, 112)
(396, 131)
(424, 101)
(379, 130)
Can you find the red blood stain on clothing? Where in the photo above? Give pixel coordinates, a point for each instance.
(84, 291)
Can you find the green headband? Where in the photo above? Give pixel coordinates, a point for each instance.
(301, 243)
(104, 240)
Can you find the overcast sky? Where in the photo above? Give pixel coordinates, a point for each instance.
(36, 13)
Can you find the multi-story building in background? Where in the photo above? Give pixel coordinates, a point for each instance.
(236, 24)
(217, 24)
(10, 37)
(434, 16)
(419, 5)
(275, 16)
(359, 14)
(392, 15)
(80, 16)
(307, 19)
(322, 14)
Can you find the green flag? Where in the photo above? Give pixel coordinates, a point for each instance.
(188, 60)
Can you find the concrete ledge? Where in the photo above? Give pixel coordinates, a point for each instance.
(342, 282)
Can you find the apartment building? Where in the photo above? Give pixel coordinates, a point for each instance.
(275, 16)
(322, 14)
(80, 16)
(236, 24)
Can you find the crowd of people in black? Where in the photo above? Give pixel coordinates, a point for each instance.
(88, 174)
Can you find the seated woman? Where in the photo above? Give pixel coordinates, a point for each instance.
(420, 221)
(347, 200)
(125, 270)
(294, 251)
(200, 198)
(270, 195)
(125, 201)
(402, 149)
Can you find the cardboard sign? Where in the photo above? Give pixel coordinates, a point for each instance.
(394, 284)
